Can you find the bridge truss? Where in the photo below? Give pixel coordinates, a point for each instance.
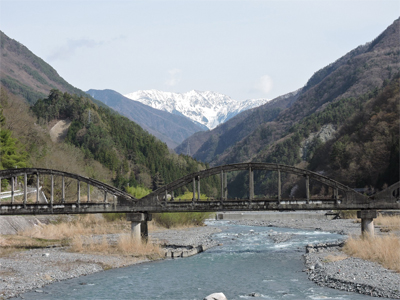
(162, 200)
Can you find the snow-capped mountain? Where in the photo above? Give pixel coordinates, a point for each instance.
(207, 108)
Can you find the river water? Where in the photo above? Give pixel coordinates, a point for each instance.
(247, 262)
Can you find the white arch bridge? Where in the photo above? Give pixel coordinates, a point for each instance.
(92, 196)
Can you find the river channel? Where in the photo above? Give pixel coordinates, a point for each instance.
(247, 262)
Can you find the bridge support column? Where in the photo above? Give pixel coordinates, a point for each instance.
(88, 192)
(194, 189)
(226, 186)
(198, 188)
(308, 189)
(52, 192)
(251, 184)
(367, 221)
(279, 187)
(25, 189)
(37, 188)
(222, 186)
(12, 189)
(139, 228)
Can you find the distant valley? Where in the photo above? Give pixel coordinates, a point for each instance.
(174, 117)
(170, 128)
(209, 109)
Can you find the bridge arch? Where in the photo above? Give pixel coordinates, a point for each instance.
(349, 194)
(39, 172)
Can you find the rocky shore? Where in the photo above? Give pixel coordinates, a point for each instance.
(31, 270)
(327, 265)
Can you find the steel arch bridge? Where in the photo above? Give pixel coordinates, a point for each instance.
(162, 200)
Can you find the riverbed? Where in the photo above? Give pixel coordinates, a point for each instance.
(251, 262)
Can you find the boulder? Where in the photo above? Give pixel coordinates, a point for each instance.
(216, 296)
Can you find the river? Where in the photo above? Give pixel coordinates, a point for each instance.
(247, 262)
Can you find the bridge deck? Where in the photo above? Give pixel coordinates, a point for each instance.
(190, 206)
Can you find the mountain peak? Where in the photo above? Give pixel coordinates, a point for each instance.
(202, 107)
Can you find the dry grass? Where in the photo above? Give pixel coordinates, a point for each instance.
(126, 246)
(388, 222)
(384, 250)
(86, 234)
(81, 225)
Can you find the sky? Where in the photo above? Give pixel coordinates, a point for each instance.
(244, 49)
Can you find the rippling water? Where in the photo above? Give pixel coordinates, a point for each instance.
(247, 262)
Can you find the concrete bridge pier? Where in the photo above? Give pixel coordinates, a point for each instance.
(367, 221)
(139, 228)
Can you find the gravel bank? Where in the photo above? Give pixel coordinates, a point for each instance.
(327, 265)
(340, 226)
(31, 270)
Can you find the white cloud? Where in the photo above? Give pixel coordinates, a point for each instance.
(68, 50)
(174, 77)
(264, 84)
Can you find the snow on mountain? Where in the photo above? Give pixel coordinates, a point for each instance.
(207, 108)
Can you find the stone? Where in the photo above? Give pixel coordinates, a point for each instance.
(216, 296)
(318, 266)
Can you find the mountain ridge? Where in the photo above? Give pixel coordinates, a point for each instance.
(203, 107)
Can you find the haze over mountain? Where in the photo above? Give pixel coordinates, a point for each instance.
(206, 108)
(170, 128)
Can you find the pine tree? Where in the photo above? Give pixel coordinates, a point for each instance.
(11, 154)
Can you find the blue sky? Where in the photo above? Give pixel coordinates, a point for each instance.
(244, 49)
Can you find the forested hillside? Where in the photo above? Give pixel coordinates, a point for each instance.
(12, 153)
(135, 156)
(365, 151)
